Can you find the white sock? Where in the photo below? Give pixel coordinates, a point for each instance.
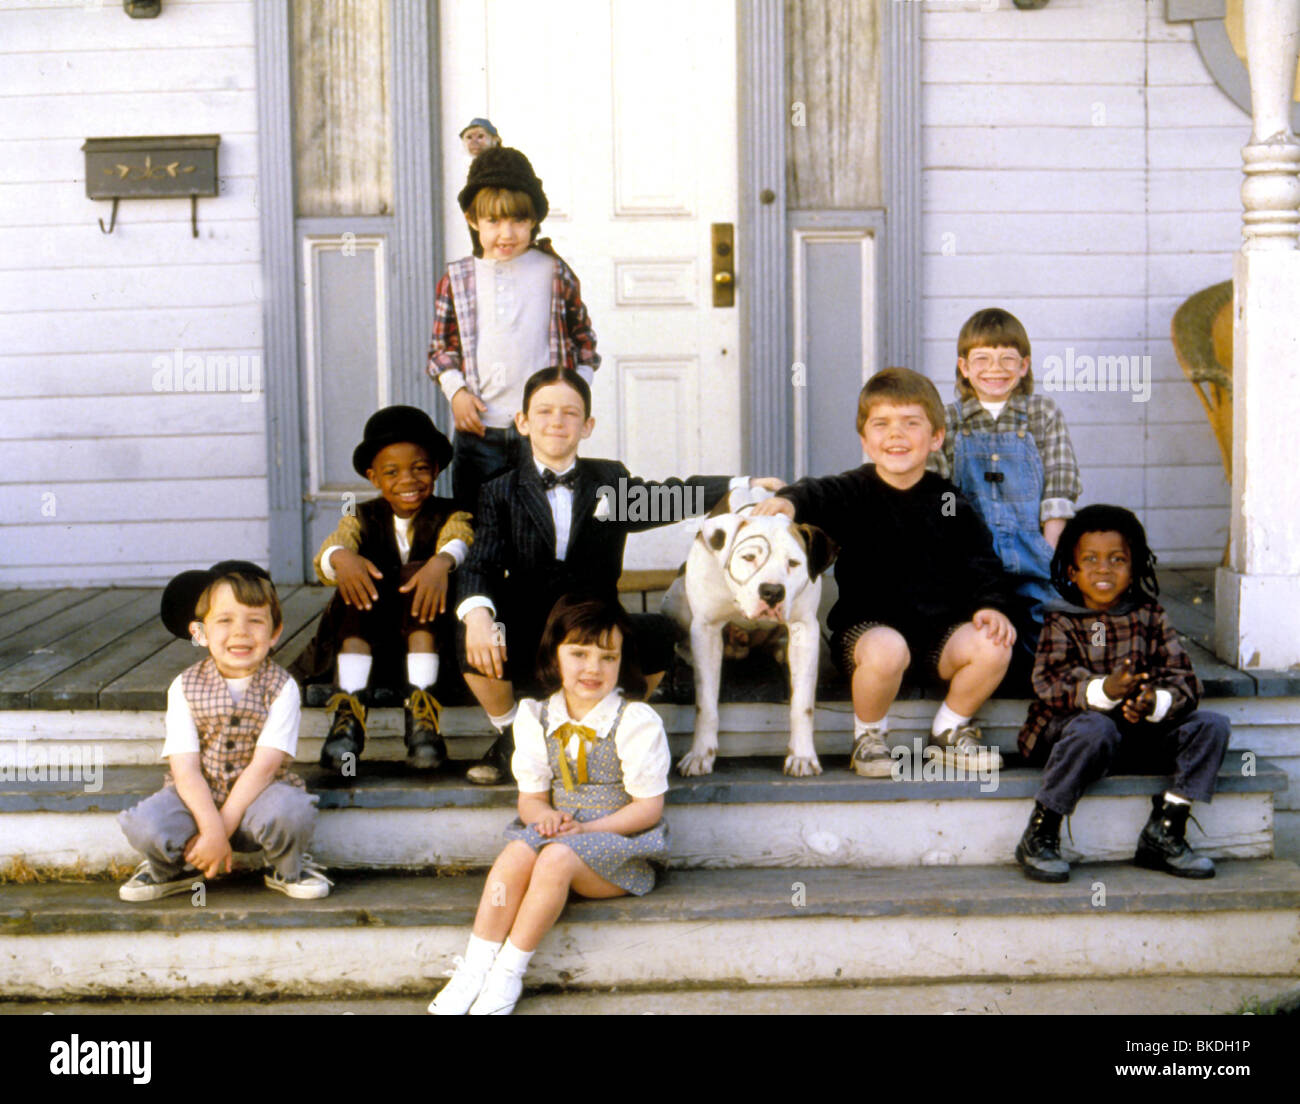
(511, 959)
(481, 953)
(946, 719)
(1172, 798)
(500, 723)
(876, 728)
(354, 672)
(422, 669)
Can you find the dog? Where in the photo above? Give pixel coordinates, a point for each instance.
(751, 572)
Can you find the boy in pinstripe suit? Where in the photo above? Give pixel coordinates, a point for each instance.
(540, 533)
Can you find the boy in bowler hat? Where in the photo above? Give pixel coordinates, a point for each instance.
(390, 561)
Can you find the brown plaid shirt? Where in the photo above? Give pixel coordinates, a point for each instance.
(227, 732)
(1077, 646)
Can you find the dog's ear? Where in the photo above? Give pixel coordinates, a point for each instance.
(821, 549)
(719, 533)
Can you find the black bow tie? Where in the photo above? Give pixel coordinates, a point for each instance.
(568, 479)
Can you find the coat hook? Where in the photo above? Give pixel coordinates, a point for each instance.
(112, 221)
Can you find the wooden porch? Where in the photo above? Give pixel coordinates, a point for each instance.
(105, 648)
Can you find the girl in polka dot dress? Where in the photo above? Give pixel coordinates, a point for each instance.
(592, 768)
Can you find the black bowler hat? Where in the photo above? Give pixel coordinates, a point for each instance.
(181, 595)
(396, 425)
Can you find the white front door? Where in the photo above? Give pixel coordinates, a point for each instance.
(627, 111)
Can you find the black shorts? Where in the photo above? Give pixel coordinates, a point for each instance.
(925, 641)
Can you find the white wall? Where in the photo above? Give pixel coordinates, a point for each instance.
(1082, 170)
(96, 467)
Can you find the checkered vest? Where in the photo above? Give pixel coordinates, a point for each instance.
(227, 732)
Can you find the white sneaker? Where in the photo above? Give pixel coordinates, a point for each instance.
(455, 998)
(311, 884)
(962, 747)
(500, 993)
(871, 758)
(141, 886)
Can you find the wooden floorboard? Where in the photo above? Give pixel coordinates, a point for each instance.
(50, 603)
(11, 600)
(18, 681)
(79, 686)
(300, 612)
(70, 622)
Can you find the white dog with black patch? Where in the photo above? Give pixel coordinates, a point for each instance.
(753, 572)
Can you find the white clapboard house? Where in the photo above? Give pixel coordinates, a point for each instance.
(766, 202)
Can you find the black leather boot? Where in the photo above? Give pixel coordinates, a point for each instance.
(494, 768)
(425, 748)
(347, 735)
(1162, 846)
(1039, 849)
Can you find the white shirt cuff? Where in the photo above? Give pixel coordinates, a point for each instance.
(1164, 700)
(451, 381)
(473, 602)
(1097, 696)
(738, 483)
(457, 549)
(327, 568)
(1052, 508)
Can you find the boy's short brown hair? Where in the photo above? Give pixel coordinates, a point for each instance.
(250, 590)
(993, 327)
(898, 387)
(500, 203)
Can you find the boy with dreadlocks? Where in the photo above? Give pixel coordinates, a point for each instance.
(1115, 692)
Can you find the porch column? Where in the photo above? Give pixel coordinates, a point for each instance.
(1257, 601)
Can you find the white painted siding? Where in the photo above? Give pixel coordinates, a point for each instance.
(1082, 170)
(102, 477)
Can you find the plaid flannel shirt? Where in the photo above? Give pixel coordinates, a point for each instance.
(1078, 645)
(227, 732)
(1061, 485)
(572, 341)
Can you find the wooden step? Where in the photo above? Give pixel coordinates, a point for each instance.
(743, 927)
(745, 814)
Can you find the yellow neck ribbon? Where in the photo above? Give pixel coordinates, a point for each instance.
(586, 736)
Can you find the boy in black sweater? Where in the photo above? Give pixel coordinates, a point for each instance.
(920, 585)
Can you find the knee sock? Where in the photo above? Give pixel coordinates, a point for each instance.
(354, 672)
(481, 953)
(875, 728)
(946, 719)
(422, 669)
(511, 959)
(502, 722)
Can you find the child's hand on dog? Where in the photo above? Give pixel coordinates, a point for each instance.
(430, 586)
(771, 506)
(1122, 681)
(354, 574)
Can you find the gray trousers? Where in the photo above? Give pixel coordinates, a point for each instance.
(280, 822)
(1091, 744)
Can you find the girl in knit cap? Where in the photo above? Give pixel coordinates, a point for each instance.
(512, 308)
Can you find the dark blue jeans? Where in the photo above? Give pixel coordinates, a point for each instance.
(1090, 744)
(475, 460)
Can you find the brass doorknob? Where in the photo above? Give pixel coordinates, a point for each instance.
(722, 278)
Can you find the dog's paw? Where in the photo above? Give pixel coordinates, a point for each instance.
(697, 762)
(801, 766)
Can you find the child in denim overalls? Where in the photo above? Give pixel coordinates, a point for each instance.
(1009, 452)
